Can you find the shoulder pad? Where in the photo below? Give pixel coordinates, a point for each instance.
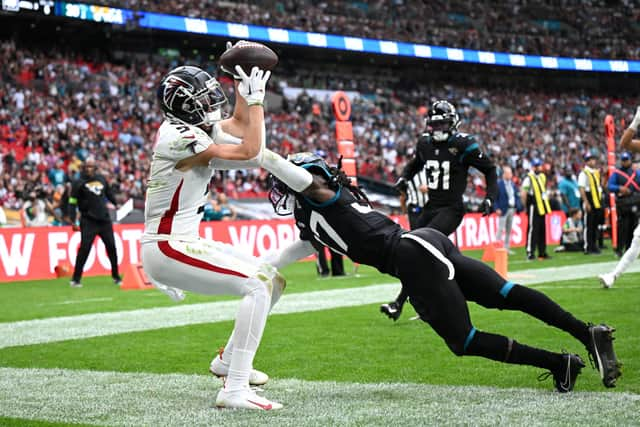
(463, 138)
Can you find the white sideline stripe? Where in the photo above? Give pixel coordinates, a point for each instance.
(78, 301)
(126, 399)
(100, 324)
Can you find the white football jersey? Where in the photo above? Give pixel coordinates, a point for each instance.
(175, 200)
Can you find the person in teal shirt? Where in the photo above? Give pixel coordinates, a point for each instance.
(570, 191)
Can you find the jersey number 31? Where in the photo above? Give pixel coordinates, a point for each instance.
(434, 170)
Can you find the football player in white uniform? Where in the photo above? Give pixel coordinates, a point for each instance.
(190, 144)
(628, 142)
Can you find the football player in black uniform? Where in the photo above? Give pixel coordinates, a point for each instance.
(446, 155)
(438, 279)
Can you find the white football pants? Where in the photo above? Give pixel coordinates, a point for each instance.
(630, 255)
(214, 268)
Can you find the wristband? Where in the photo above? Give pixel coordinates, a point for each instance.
(255, 103)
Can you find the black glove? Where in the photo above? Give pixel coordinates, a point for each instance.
(486, 207)
(401, 184)
(392, 310)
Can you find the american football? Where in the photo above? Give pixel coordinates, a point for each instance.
(247, 55)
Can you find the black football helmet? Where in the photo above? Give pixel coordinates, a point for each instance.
(281, 196)
(442, 120)
(191, 95)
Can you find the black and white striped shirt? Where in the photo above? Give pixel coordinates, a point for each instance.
(414, 196)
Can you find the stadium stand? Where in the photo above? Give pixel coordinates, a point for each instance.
(572, 28)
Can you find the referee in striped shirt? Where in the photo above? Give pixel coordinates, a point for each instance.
(414, 198)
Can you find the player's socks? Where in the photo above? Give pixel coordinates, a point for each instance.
(503, 349)
(541, 307)
(250, 321)
(629, 256)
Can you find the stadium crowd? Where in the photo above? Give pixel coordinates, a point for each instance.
(57, 108)
(575, 28)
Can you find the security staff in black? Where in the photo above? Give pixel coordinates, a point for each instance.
(592, 204)
(533, 194)
(437, 277)
(89, 194)
(446, 155)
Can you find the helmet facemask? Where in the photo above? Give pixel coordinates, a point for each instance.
(281, 197)
(440, 130)
(207, 103)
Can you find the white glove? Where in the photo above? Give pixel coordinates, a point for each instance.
(252, 88)
(636, 120)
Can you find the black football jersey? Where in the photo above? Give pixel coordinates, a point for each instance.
(350, 228)
(447, 163)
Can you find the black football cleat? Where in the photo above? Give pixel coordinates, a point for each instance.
(602, 354)
(565, 377)
(392, 310)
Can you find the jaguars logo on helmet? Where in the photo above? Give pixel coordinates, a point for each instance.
(442, 120)
(191, 95)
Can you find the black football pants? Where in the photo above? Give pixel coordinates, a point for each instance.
(89, 229)
(440, 280)
(536, 233)
(444, 219)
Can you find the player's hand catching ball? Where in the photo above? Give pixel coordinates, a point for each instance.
(252, 88)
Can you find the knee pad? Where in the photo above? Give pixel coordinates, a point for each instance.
(272, 278)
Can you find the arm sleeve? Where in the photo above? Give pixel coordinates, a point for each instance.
(582, 180)
(612, 185)
(297, 250)
(473, 156)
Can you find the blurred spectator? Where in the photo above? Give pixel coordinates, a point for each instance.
(219, 209)
(34, 212)
(507, 204)
(572, 232)
(569, 191)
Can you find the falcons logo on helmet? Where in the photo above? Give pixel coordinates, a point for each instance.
(172, 87)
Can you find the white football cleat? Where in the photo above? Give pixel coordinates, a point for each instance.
(220, 369)
(607, 280)
(244, 399)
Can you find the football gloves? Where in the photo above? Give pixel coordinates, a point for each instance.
(252, 88)
(486, 207)
(401, 185)
(392, 310)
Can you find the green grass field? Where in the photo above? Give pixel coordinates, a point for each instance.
(339, 365)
